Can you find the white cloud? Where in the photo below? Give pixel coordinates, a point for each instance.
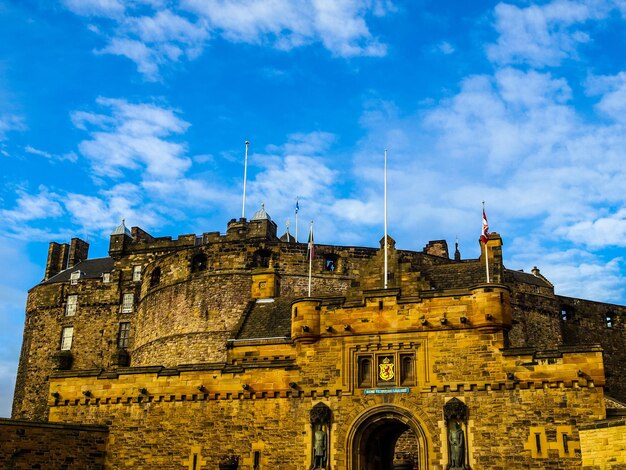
(34, 206)
(152, 34)
(445, 48)
(543, 35)
(10, 122)
(102, 212)
(70, 156)
(133, 137)
(106, 8)
(601, 232)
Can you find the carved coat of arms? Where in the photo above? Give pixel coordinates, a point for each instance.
(386, 371)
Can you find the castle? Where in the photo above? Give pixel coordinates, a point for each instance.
(207, 352)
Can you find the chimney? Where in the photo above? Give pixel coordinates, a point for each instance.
(57, 259)
(79, 250)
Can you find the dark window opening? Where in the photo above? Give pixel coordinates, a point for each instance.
(199, 263)
(261, 259)
(538, 442)
(123, 335)
(610, 320)
(365, 372)
(566, 314)
(330, 263)
(257, 460)
(565, 444)
(407, 375)
(155, 277)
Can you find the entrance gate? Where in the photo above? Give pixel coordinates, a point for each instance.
(374, 443)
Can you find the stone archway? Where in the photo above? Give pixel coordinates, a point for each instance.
(376, 436)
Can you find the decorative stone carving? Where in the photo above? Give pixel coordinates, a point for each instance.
(320, 417)
(320, 414)
(456, 410)
(455, 414)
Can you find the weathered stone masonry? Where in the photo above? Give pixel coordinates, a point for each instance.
(196, 349)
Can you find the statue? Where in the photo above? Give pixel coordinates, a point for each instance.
(456, 441)
(320, 426)
(319, 448)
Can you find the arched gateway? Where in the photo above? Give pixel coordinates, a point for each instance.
(387, 438)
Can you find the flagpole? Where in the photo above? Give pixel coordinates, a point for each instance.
(297, 208)
(245, 174)
(485, 240)
(310, 256)
(385, 216)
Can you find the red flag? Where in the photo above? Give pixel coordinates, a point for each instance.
(485, 235)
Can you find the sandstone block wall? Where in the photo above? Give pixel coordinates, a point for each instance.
(29, 445)
(603, 445)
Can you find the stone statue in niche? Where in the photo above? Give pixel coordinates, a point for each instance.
(455, 413)
(319, 448)
(320, 417)
(456, 440)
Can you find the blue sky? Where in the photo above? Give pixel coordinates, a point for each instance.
(139, 109)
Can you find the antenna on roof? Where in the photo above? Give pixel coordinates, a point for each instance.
(245, 174)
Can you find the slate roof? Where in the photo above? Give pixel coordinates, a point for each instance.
(525, 278)
(267, 320)
(91, 269)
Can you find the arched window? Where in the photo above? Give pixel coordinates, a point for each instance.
(365, 371)
(199, 263)
(155, 277)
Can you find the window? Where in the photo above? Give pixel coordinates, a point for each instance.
(74, 277)
(155, 277)
(610, 320)
(566, 313)
(106, 277)
(261, 258)
(70, 307)
(137, 273)
(66, 338)
(198, 263)
(330, 263)
(407, 374)
(365, 372)
(127, 303)
(123, 335)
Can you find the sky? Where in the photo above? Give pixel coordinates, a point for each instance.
(139, 110)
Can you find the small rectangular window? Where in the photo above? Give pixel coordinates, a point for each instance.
(74, 277)
(123, 335)
(70, 307)
(66, 338)
(565, 444)
(137, 273)
(538, 442)
(610, 320)
(127, 303)
(407, 369)
(106, 277)
(365, 372)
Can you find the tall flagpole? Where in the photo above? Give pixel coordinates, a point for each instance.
(385, 216)
(311, 254)
(245, 174)
(297, 209)
(485, 237)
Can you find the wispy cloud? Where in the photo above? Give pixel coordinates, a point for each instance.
(133, 137)
(153, 35)
(70, 156)
(10, 122)
(543, 35)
